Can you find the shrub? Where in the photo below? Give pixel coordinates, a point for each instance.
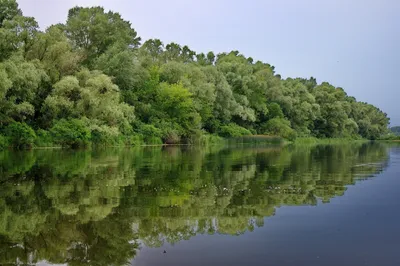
(280, 127)
(196, 137)
(105, 135)
(71, 133)
(232, 130)
(44, 139)
(3, 142)
(150, 140)
(134, 140)
(172, 137)
(209, 139)
(149, 130)
(20, 135)
(151, 134)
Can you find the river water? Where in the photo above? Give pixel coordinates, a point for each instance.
(242, 205)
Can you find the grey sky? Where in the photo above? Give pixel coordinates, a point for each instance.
(353, 44)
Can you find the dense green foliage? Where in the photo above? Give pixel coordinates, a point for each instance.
(20, 135)
(3, 142)
(90, 207)
(70, 133)
(94, 69)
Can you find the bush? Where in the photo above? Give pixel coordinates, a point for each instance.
(71, 133)
(172, 137)
(195, 137)
(153, 140)
(20, 135)
(44, 139)
(3, 143)
(280, 127)
(209, 139)
(134, 140)
(105, 135)
(232, 130)
(151, 134)
(149, 130)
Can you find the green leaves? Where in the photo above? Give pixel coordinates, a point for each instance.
(5, 82)
(232, 130)
(71, 133)
(94, 31)
(20, 135)
(8, 10)
(92, 68)
(279, 127)
(93, 96)
(175, 105)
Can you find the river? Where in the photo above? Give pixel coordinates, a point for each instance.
(242, 205)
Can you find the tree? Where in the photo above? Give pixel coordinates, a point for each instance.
(175, 109)
(8, 10)
(53, 49)
(17, 34)
(91, 95)
(95, 31)
(23, 82)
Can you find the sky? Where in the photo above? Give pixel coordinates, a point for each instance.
(353, 44)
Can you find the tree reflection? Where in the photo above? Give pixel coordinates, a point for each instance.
(91, 207)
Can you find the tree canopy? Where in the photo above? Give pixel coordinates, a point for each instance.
(93, 68)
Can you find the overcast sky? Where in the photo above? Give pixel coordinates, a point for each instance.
(353, 44)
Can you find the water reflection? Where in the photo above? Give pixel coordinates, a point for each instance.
(94, 207)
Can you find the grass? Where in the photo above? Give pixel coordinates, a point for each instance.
(256, 139)
(312, 140)
(45, 142)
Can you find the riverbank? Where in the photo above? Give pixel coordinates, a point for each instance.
(204, 140)
(312, 140)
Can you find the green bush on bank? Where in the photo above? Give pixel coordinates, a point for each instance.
(44, 139)
(133, 140)
(233, 130)
(280, 127)
(149, 134)
(71, 133)
(20, 135)
(152, 140)
(390, 137)
(3, 143)
(106, 136)
(171, 137)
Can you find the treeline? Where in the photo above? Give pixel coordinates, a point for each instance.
(395, 130)
(91, 80)
(393, 135)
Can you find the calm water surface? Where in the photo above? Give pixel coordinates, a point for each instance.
(305, 205)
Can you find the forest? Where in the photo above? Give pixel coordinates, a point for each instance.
(92, 80)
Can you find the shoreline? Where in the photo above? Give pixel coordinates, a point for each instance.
(268, 140)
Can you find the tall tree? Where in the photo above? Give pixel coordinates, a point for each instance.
(94, 31)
